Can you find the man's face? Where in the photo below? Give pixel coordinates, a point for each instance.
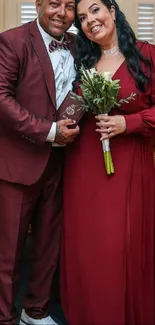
(55, 16)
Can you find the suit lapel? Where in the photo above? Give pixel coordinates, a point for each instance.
(72, 43)
(41, 52)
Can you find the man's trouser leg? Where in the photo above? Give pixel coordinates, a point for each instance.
(46, 229)
(16, 206)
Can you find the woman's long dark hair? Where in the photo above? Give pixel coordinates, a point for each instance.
(88, 53)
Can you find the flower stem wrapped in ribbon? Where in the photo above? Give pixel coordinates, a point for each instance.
(100, 94)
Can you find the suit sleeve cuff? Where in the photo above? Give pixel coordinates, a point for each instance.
(133, 123)
(52, 133)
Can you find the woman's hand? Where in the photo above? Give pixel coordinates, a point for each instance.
(109, 126)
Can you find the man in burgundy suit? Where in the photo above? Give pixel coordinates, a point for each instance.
(34, 79)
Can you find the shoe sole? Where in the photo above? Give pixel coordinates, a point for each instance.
(23, 323)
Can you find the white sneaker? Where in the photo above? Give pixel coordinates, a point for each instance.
(27, 320)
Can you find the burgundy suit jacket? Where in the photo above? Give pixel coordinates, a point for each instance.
(27, 103)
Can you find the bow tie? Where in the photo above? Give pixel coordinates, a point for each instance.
(64, 45)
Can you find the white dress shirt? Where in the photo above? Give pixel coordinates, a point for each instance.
(63, 65)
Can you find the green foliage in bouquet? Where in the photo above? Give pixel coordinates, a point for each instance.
(100, 94)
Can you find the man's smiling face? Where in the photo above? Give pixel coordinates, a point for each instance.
(55, 16)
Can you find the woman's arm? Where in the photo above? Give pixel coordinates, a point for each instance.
(142, 122)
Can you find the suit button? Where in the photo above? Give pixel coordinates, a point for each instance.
(54, 113)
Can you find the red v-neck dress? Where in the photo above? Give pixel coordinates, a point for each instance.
(107, 256)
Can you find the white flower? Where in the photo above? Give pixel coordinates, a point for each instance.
(91, 72)
(107, 75)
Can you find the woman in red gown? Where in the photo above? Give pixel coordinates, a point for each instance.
(107, 258)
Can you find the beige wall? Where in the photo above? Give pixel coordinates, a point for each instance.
(1, 15)
(130, 8)
(10, 11)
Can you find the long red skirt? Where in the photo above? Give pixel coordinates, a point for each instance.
(107, 257)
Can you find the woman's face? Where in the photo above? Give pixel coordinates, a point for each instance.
(97, 21)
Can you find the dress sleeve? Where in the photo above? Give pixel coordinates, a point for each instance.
(144, 121)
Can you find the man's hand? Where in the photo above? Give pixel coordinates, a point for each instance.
(64, 134)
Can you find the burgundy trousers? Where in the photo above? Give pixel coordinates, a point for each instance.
(39, 204)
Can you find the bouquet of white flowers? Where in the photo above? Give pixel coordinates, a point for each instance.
(100, 95)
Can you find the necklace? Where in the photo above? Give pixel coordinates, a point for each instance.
(111, 52)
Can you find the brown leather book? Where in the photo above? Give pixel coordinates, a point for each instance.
(71, 108)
